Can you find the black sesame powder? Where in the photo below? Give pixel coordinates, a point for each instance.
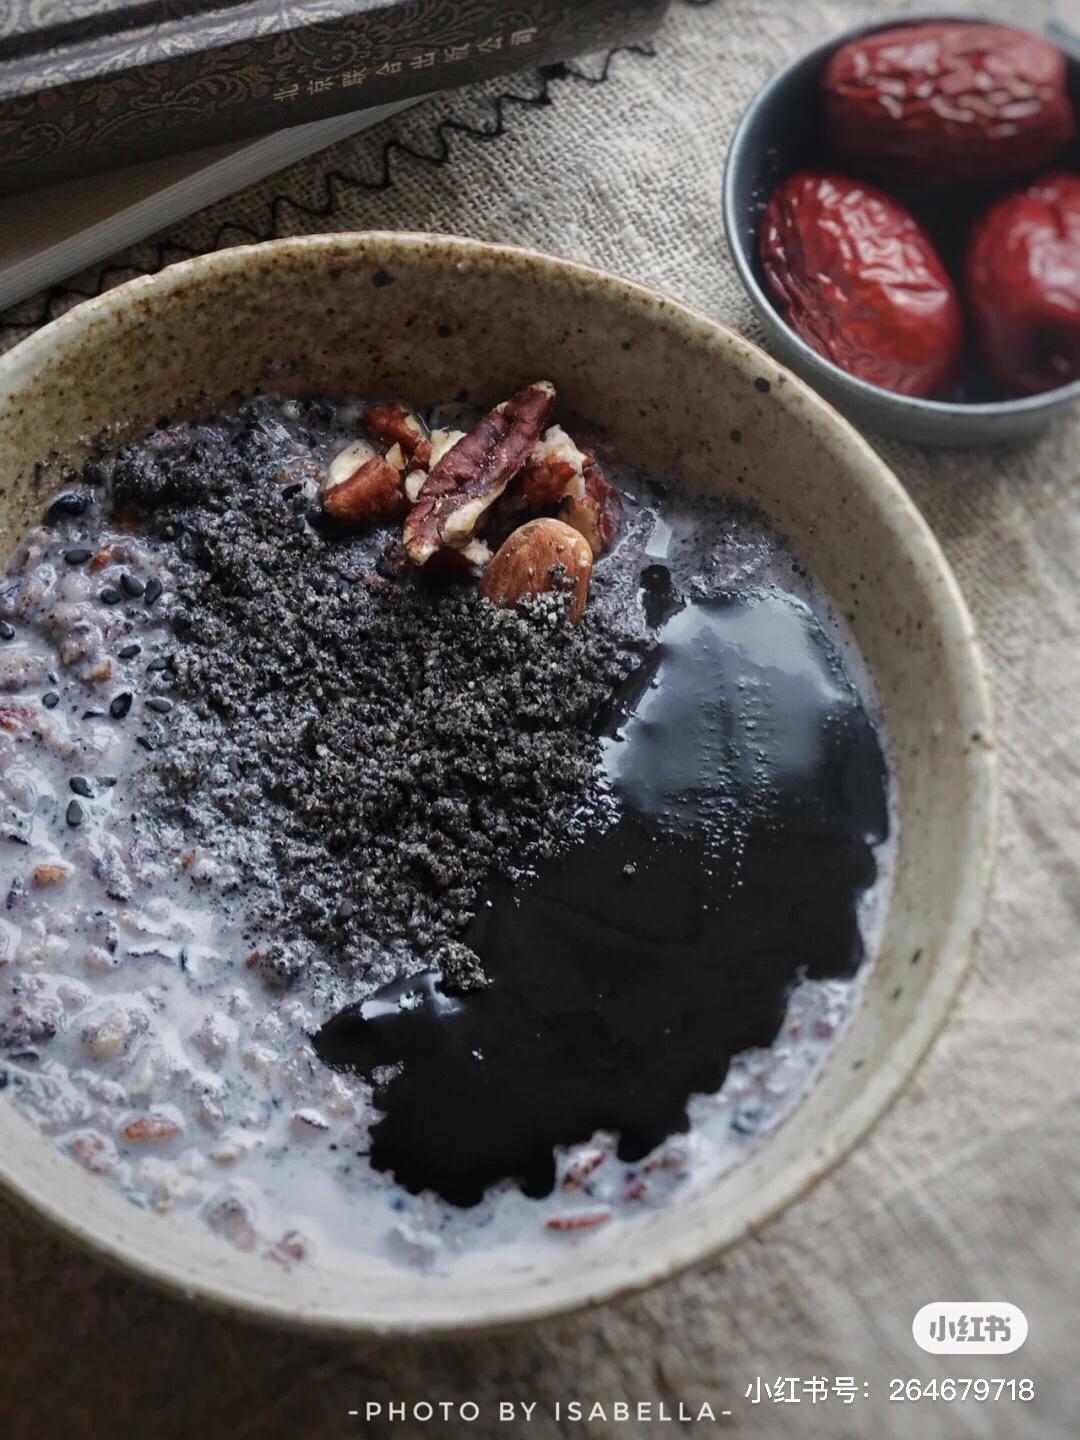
(386, 740)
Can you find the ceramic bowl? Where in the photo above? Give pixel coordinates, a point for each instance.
(783, 131)
(427, 316)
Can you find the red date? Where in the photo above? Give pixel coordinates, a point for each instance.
(949, 102)
(856, 277)
(1023, 285)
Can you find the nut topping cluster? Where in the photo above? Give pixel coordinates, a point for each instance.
(512, 478)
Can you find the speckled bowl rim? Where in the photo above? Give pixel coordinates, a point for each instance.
(634, 1271)
(901, 405)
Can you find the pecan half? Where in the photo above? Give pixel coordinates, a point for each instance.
(596, 514)
(474, 473)
(394, 424)
(374, 492)
(441, 442)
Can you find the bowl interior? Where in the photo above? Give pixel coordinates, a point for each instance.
(428, 317)
(783, 132)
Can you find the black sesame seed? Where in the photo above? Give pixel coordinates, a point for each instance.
(159, 662)
(108, 781)
(120, 704)
(132, 584)
(78, 556)
(145, 742)
(129, 652)
(110, 595)
(69, 503)
(290, 490)
(159, 704)
(81, 786)
(92, 714)
(7, 632)
(153, 590)
(345, 911)
(75, 814)
(50, 699)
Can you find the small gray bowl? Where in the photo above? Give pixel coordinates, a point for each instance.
(783, 131)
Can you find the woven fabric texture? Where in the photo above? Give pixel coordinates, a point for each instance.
(969, 1188)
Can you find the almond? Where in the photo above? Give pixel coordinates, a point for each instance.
(525, 564)
(371, 493)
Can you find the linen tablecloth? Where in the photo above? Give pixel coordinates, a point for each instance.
(970, 1187)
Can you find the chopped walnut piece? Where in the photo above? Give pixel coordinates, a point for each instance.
(555, 469)
(395, 456)
(346, 463)
(474, 473)
(372, 493)
(596, 514)
(394, 424)
(476, 554)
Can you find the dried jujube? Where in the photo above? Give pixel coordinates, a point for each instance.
(1023, 285)
(855, 275)
(948, 102)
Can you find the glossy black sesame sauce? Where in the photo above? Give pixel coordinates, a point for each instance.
(749, 789)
